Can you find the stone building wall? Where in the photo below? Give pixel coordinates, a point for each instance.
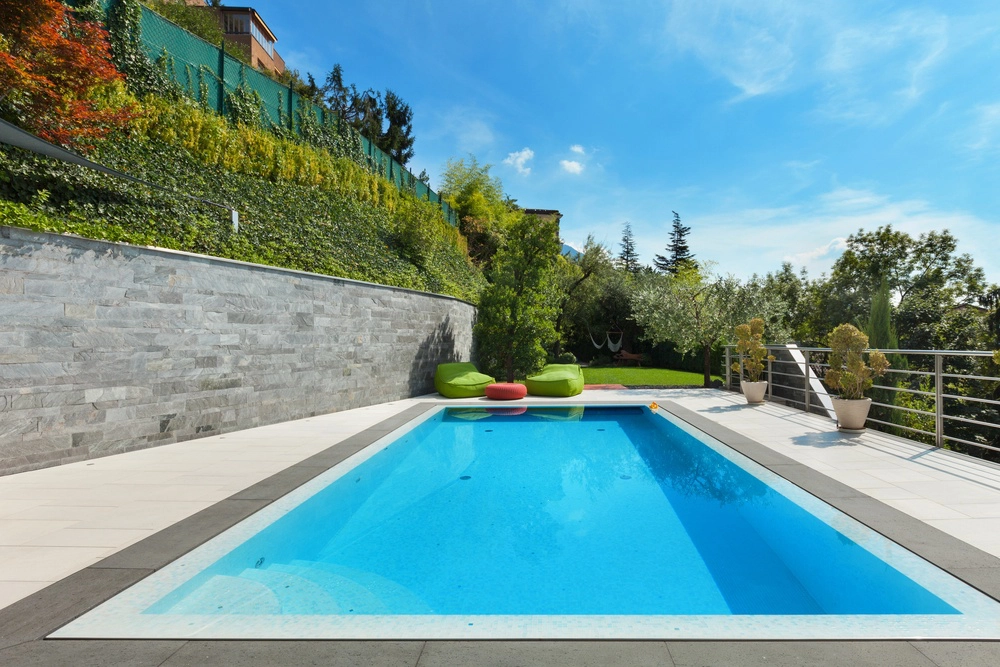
(106, 348)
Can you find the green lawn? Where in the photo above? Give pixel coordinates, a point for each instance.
(633, 377)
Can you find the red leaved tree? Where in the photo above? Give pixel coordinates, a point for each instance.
(50, 63)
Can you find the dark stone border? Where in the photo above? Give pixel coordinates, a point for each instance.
(973, 566)
(24, 625)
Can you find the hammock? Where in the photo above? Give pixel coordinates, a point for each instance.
(601, 344)
(614, 347)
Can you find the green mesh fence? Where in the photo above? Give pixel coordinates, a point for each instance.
(207, 73)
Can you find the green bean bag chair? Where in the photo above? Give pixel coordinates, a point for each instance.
(556, 380)
(460, 380)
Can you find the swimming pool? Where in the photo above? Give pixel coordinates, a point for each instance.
(578, 522)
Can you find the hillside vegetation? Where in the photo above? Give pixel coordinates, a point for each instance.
(309, 202)
(299, 207)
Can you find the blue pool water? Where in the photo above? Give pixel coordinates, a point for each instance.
(556, 511)
(556, 523)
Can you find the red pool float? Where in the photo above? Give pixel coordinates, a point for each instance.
(506, 391)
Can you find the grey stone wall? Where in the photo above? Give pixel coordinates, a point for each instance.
(106, 348)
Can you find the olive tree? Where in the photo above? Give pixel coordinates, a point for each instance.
(576, 289)
(695, 309)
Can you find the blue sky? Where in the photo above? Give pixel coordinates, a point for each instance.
(774, 128)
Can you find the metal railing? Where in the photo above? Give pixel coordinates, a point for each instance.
(943, 397)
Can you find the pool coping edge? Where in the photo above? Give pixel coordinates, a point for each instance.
(943, 550)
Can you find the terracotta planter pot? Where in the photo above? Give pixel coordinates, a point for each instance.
(754, 391)
(851, 413)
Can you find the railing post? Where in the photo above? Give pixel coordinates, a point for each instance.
(729, 371)
(938, 400)
(808, 381)
(770, 379)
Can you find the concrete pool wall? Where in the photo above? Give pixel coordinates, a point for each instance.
(106, 347)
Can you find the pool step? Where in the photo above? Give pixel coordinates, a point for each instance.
(300, 587)
(295, 594)
(389, 594)
(350, 596)
(224, 594)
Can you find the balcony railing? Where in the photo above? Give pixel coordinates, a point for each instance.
(947, 398)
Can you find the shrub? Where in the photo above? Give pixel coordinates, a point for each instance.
(848, 371)
(751, 350)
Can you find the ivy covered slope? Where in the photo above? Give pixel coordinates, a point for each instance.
(299, 207)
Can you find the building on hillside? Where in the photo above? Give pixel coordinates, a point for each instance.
(544, 213)
(244, 26)
(552, 214)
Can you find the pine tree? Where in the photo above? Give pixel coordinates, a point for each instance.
(678, 253)
(628, 258)
(362, 110)
(312, 90)
(367, 113)
(386, 120)
(397, 140)
(337, 94)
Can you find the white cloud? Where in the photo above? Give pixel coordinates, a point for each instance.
(844, 200)
(813, 234)
(874, 72)
(828, 251)
(307, 61)
(866, 69)
(751, 44)
(577, 148)
(519, 159)
(571, 166)
(801, 166)
(983, 132)
(466, 129)
(473, 134)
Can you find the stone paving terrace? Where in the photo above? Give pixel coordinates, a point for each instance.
(94, 527)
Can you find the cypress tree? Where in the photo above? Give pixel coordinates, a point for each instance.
(882, 336)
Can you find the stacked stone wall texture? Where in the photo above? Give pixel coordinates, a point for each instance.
(107, 348)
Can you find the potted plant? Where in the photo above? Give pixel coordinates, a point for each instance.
(849, 374)
(752, 353)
